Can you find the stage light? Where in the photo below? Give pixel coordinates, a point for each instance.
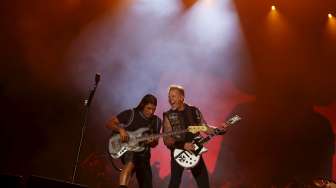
(331, 25)
(273, 8)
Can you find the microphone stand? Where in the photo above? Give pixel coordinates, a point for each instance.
(87, 104)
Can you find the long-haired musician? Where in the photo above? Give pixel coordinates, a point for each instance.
(131, 120)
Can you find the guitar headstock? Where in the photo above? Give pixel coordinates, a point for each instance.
(196, 129)
(232, 121)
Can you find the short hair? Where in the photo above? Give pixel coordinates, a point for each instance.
(178, 88)
(147, 99)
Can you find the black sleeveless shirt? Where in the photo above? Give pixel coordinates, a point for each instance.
(133, 119)
(180, 120)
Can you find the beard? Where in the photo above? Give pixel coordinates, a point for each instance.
(173, 105)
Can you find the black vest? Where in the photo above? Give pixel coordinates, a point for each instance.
(180, 120)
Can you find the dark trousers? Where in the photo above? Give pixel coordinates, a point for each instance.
(199, 172)
(143, 172)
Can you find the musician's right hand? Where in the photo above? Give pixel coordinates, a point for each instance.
(189, 147)
(123, 135)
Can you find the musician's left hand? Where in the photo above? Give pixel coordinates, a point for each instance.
(153, 142)
(211, 130)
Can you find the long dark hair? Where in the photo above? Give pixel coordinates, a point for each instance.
(147, 99)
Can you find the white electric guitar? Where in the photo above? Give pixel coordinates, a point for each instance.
(117, 148)
(187, 159)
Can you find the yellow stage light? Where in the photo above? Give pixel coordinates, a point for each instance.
(330, 15)
(273, 8)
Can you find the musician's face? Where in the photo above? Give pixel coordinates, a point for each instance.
(149, 110)
(175, 99)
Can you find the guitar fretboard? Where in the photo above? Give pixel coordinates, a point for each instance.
(155, 136)
(228, 123)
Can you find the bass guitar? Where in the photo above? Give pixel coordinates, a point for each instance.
(117, 148)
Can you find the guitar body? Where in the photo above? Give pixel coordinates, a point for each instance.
(117, 148)
(189, 160)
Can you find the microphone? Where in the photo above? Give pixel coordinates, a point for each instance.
(87, 102)
(97, 78)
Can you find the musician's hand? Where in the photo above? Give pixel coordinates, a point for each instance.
(153, 142)
(123, 135)
(189, 147)
(211, 130)
(150, 140)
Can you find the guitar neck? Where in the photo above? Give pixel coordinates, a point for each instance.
(156, 136)
(232, 121)
(206, 139)
(210, 136)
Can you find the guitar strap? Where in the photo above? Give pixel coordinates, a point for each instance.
(131, 118)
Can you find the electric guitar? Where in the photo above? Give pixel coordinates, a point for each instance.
(117, 148)
(187, 159)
